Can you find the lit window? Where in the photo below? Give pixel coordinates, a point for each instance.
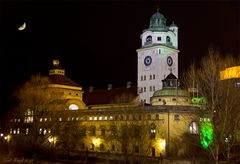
(11, 131)
(44, 132)
(73, 107)
(18, 130)
(27, 131)
(153, 131)
(77, 118)
(105, 117)
(60, 118)
(40, 131)
(90, 118)
(95, 118)
(45, 119)
(72, 118)
(111, 118)
(193, 128)
(14, 131)
(40, 119)
(100, 117)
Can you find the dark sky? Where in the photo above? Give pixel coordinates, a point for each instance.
(96, 41)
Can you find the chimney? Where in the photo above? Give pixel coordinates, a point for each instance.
(129, 84)
(91, 88)
(109, 87)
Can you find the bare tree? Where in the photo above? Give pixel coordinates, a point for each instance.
(35, 107)
(222, 99)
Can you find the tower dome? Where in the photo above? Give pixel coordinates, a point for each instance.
(157, 21)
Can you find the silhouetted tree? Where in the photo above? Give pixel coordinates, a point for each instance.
(222, 98)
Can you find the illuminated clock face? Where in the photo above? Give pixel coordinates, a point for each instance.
(169, 61)
(147, 60)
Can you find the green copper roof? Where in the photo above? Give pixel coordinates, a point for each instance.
(157, 22)
(171, 92)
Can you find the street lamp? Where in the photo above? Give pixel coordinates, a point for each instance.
(227, 141)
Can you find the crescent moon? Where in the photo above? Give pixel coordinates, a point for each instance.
(22, 27)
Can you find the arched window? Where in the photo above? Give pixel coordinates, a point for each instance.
(168, 39)
(193, 128)
(149, 39)
(73, 107)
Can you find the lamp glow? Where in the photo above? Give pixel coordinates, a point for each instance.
(96, 141)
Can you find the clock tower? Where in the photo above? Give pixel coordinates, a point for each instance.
(157, 57)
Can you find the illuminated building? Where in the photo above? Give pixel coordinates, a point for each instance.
(157, 57)
(115, 120)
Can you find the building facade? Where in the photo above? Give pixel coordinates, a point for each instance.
(114, 120)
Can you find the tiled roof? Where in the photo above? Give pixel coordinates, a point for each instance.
(63, 80)
(114, 95)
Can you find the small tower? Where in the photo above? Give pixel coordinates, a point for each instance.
(71, 92)
(157, 56)
(56, 69)
(171, 93)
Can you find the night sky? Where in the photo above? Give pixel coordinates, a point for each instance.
(96, 41)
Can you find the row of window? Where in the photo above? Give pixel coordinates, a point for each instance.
(144, 89)
(136, 130)
(149, 39)
(151, 77)
(29, 119)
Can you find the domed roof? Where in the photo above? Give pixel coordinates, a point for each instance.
(171, 92)
(158, 21)
(173, 25)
